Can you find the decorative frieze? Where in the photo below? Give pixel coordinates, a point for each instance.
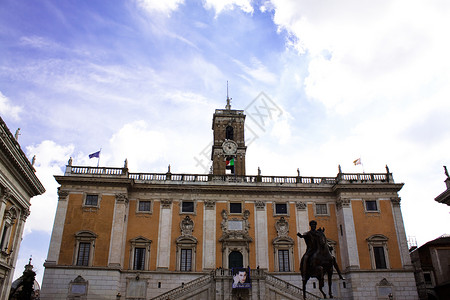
(122, 198)
(300, 205)
(396, 201)
(342, 202)
(25, 214)
(166, 203)
(260, 204)
(209, 204)
(62, 194)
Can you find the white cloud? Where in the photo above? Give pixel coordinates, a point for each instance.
(166, 6)
(221, 5)
(139, 143)
(257, 70)
(8, 109)
(362, 51)
(49, 159)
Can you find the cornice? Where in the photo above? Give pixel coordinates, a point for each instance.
(358, 187)
(19, 162)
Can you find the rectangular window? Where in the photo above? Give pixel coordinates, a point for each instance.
(427, 278)
(380, 260)
(283, 260)
(144, 205)
(235, 208)
(281, 208)
(321, 209)
(186, 260)
(187, 206)
(371, 205)
(4, 241)
(91, 200)
(139, 259)
(83, 254)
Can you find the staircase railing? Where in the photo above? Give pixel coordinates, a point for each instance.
(172, 294)
(288, 287)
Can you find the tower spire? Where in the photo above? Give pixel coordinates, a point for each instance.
(228, 106)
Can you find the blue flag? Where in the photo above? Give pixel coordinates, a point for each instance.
(95, 154)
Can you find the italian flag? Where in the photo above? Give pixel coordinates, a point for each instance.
(230, 162)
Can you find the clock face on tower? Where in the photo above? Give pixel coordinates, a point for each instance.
(229, 147)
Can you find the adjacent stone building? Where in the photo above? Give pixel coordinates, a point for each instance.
(124, 235)
(18, 183)
(432, 268)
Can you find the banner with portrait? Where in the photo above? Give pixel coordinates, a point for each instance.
(241, 278)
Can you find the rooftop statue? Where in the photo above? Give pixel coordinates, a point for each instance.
(317, 260)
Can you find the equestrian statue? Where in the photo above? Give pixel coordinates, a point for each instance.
(317, 260)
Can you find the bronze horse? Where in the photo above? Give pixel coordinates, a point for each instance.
(320, 262)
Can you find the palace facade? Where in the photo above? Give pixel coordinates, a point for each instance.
(18, 184)
(124, 235)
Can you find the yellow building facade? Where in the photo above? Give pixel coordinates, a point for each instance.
(124, 235)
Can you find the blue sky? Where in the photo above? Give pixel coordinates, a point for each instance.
(140, 79)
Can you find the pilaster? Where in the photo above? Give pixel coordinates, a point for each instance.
(302, 220)
(261, 235)
(164, 234)
(400, 232)
(209, 235)
(58, 227)
(118, 232)
(347, 240)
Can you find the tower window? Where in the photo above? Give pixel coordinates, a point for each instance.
(283, 260)
(186, 260)
(139, 259)
(371, 205)
(144, 206)
(91, 200)
(229, 133)
(187, 207)
(321, 209)
(380, 260)
(235, 207)
(281, 209)
(83, 254)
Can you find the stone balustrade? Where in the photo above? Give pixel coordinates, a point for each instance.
(348, 178)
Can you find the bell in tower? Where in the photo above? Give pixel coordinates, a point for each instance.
(228, 150)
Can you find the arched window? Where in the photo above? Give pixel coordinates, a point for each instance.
(235, 260)
(229, 133)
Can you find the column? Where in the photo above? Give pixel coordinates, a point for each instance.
(302, 220)
(4, 198)
(18, 235)
(58, 227)
(261, 235)
(118, 232)
(165, 228)
(347, 241)
(209, 235)
(401, 234)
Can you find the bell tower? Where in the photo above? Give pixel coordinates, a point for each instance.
(228, 150)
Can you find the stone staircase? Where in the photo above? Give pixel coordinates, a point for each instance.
(217, 285)
(197, 286)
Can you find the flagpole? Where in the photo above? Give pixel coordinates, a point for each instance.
(98, 161)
